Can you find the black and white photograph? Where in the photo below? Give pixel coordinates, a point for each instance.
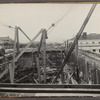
(50, 50)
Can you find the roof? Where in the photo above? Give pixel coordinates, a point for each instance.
(6, 39)
(93, 36)
(89, 37)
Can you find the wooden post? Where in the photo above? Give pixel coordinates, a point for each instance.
(10, 72)
(90, 74)
(67, 45)
(44, 33)
(86, 72)
(97, 81)
(76, 60)
(61, 56)
(39, 69)
(56, 60)
(17, 35)
(96, 74)
(95, 77)
(14, 53)
(62, 74)
(32, 58)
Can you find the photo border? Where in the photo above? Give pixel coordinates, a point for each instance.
(49, 1)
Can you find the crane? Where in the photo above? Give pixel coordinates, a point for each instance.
(75, 41)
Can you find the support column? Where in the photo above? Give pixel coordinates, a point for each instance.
(95, 77)
(44, 33)
(67, 47)
(10, 73)
(17, 35)
(62, 74)
(97, 81)
(39, 69)
(90, 74)
(86, 71)
(14, 53)
(76, 60)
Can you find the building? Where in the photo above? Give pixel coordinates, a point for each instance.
(90, 42)
(6, 42)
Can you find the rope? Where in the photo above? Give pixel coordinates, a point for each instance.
(59, 20)
(8, 26)
(68, 11)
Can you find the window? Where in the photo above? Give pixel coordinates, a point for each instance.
(99, 42)
(86, 42)
(94, 50)
(99, 50)
(93, 42)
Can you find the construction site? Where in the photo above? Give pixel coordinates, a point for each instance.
(41, 69)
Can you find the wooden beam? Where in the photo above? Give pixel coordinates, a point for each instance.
(3, 73)
(39, 69)
(76, 60)
(14, 54)
(37, 59)
(86, 71)
(24, 33)
(10, 73)
(44, 33)
(17, 35)
(62, 74)
(19, 55)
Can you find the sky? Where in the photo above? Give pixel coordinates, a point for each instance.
(31, 18)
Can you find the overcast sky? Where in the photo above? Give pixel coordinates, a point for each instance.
(32, 17)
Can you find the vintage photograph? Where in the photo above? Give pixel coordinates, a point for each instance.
(49, 49)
